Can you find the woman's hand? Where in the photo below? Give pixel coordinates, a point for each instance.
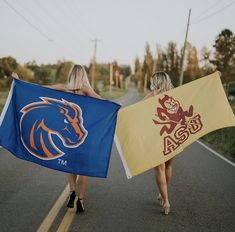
(15, 75)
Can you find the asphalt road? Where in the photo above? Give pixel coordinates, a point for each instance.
(202, 195)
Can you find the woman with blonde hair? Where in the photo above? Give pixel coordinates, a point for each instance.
(161, 82)
(77, 83)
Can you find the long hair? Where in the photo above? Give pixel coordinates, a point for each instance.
(77, 78)
(161, 82)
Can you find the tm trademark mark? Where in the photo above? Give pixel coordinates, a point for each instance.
(62, 162)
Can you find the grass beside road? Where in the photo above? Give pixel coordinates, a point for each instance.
(114, 94)
(222, 140)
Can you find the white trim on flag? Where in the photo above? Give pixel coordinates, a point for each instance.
(7, 102)
(128, 174)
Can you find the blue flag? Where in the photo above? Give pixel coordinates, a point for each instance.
(58, 130)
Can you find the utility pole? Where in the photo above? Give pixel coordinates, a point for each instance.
(185, 43)
(110, 77)
(94, 62)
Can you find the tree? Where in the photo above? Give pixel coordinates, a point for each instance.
(125, 70)
(169, 61)
(43, 74)
(7, 66)
(138, 73)
(206, 66)
(103, 72)
(192, 70)
(63, 71)
(224, 56)
(147, 65)
(173, 63)
(159, 61)
(25, 73)
(116, 73)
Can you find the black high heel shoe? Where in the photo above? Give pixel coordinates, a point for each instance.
(80, 206)
(71, 200)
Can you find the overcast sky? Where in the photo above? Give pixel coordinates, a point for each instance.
(48, 30)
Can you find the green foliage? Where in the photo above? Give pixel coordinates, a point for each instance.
(63, 71)
(116, 74)
(43, 74)
(7, 66)
(138, 75)
(169, 61)
(25, 73)
(173, 63)
(224, 56)
(116, 93)
(222, 140)
(192, 71)
(207, 67)
(103, 72)
(125, 70)
(147, 68)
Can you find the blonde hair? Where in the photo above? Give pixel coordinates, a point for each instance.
(161, 82)
(77, 78)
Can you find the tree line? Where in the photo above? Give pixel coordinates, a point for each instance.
(221, 58)
(45, 74)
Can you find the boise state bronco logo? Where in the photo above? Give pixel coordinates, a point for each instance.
(50, 118)
(177, 124)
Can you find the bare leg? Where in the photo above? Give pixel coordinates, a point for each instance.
(161, 181)
(82, 183)
(72, 181)
(162, 185)
(169, 164)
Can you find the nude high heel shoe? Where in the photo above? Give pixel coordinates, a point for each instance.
(166, 208)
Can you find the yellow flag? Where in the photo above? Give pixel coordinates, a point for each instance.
(153, 131)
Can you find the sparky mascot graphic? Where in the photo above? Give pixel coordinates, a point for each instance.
(177, 123)
(42, 121)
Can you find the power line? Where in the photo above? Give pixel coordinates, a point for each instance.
(58, 24)
(206, 10)
(70, 29)
(56, 43)
(27, 21)
(77, 18)
(215, 13)
(89, 31)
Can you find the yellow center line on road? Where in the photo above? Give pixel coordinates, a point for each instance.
(67, 220)
(48, 221)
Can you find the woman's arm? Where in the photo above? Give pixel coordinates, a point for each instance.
(57, 87)
(148, 96)
(90, 92)
(15, 75)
